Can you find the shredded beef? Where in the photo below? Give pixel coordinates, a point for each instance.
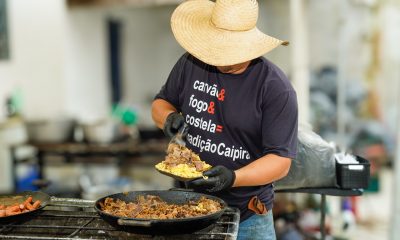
(153, 207)
(177, 154)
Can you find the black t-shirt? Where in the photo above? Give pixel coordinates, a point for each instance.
(235, 119)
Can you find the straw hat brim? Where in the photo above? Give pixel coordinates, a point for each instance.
(193, 29)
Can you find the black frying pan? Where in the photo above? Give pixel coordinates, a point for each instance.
(161, 226)
(20, 198)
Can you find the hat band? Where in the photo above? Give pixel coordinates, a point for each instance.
(226, 29)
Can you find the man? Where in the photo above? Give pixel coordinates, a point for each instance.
(240, 108)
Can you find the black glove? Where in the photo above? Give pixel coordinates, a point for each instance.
(219, 178)
(173, 124)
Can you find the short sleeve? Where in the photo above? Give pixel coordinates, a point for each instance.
(280, 124)
(173, 86)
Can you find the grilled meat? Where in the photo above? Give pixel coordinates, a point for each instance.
(153, 207)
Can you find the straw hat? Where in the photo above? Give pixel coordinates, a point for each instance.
(221, 33)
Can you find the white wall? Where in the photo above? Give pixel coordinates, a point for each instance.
(86, 65)
(388, 81)
(149, 51)
(274, 20)
(323, 21)
(58, 60)
(37, 56)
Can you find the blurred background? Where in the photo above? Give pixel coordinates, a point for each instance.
(77, 78)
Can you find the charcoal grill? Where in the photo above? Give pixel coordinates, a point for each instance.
(70, 218)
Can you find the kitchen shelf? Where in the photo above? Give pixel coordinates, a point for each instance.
(122, 153)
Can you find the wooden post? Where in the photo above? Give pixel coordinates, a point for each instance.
(343, 43)
(395, 229)
(300, 56)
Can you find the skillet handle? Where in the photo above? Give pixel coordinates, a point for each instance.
(133, 223)
(181, 189)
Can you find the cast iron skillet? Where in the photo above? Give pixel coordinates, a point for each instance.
(20, 198)
(161, 226)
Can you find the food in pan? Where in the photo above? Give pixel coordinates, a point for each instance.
(153, 207)
(17, 208)
(182, 162)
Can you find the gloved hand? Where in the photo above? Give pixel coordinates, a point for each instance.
(219, 178)
(173, 124)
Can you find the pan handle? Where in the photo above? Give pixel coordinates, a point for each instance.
(181, 189)
(133, 223)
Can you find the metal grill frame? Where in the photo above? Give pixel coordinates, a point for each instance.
(76, 210)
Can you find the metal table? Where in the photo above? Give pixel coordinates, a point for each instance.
(324, 192)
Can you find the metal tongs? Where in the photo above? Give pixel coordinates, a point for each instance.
(178, 137)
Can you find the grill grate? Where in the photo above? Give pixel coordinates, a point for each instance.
(68, 218)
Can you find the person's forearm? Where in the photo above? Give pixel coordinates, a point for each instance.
(262, 171)
(160, 109)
